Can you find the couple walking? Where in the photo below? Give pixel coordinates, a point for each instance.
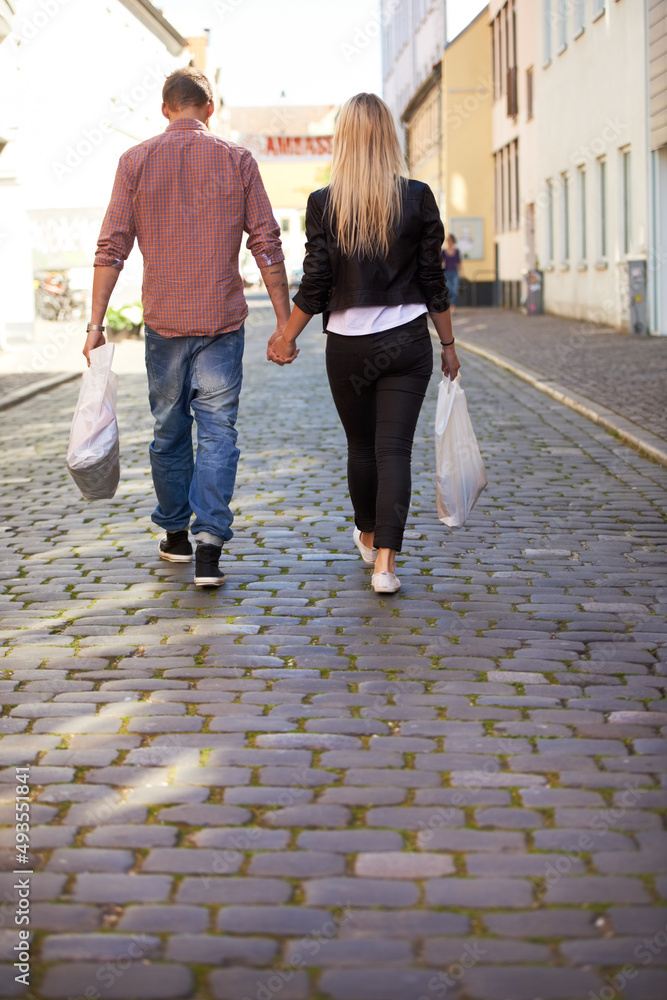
(372, 267)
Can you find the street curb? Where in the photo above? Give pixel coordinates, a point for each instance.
(628, 432)
(19, 395)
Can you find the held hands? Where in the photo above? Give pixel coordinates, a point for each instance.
(450, 362)
(279, 350)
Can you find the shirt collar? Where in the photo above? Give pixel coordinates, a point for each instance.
(189, 123)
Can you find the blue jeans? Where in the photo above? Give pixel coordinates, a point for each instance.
(194, 378)
(452, 279)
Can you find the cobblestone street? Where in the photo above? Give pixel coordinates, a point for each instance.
(293, 789)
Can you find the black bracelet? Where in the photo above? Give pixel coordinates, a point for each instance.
(446, 345)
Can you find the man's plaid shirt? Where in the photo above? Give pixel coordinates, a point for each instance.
(188, 195)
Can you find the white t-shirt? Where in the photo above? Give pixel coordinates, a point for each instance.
(362, 320)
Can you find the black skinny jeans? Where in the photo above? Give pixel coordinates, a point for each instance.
(378, 383)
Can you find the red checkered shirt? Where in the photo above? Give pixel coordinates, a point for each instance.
(188, 195)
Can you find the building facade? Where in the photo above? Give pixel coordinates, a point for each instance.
(592, 166)
(448, 146)
(467, 154)
(65, 123)
(515, 126)
(293, 146)
(414, 36)
(656, 14)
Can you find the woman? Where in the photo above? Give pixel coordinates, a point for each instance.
(451, 262)
(372, 266)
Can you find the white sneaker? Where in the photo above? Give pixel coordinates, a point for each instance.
(368, 555)
(385, 583)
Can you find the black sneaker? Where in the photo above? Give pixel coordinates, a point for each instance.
(207, 571)
(175, 546)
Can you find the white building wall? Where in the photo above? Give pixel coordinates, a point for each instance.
(414, 35)
(81, 83)
(514, 231)
(592, 109)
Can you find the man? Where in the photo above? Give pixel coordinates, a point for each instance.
(187, 195)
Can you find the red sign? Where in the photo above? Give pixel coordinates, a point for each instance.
(299, 145)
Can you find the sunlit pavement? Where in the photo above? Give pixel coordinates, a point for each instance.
(290, 788)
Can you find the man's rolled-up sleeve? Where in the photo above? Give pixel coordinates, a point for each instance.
(259, 221)
(430, 274)
(118, 230)
(315, 289)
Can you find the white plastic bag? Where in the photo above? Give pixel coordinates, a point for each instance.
(460, 473)
(93, 458)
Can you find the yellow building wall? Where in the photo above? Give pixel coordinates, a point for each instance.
(289, 184)
(423, 143)
(467, 161)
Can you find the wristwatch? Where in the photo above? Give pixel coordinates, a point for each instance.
(94, 326)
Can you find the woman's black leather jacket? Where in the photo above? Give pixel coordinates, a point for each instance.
(411, 271)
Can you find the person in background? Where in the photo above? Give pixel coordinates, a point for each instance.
(451, 262)
(187, 195)
(373, 268)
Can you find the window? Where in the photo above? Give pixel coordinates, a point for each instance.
(627, 203)
(547, 31)
(598, 8)
(516, 182)
(579, 17)
(503, 173)
(550, 222)
(602, 208)
(494, 69)
(562, 25)
(565, 219)
(502, 65)
(583, 249)
(529, 93)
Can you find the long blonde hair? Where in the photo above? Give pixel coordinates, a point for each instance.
(367, 171)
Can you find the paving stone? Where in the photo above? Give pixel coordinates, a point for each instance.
(462, 953)
(99, 947)
(499, 982)
(163, 919)
(204, 815)
(414, 817)
(215, 950)
(436, 838)
(359, 892)
(230, 984)
(375, 984)
(297, 864)
(64, 917)
(286, 920)
(227, 890)
(248, 838)
(121, 888)
(552, 923)
(399, 864)
(350, 953)
(151, 982)
(413, 923)
(597, 889)
(350, 841)
(85, 859)
(307, 815)
(185, 861)
(486, 892)
(649, 984)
